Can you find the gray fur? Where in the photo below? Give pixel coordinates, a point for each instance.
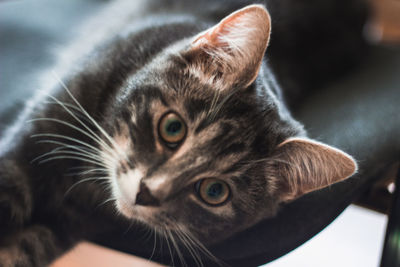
(123, 83)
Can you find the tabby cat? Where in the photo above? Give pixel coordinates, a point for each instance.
(167, 121)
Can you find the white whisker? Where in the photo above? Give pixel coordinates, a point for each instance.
(80, 121)
(199, 245)
(166, 235)
(46, 154)
(213, 104)
(177, 249)
(94, 122)
(129, 227)
(84, 180)
(71, 106)
(155, 244)
(91, 171)
(72, 157)
(219, 107)
(66, 138)
(86, 150)
(90, 132)
(62, 150)
(192, 251)
(106, 201)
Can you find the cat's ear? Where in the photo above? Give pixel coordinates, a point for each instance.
(231, 52)
(303, 165)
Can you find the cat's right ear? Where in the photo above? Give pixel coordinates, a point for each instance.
(231, 52)
(301, 165)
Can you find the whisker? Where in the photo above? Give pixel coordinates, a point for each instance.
(268, 159)
(213, 103)
(203, 249)
(46, 154)
(190, 249)
(60, 150)
(91, 135)
(91, 151)
(94, 122)
(95, 170)
(72, 157)
(73, 108)
(84, 180)
(129, 227)
(86, 168)
(155, 244)
(161, 238)
(147, 234)
(77, 109)
(106, 201)
(106, 182)
(66, 138)
(169, 247)
(177, 249)
(221, 104)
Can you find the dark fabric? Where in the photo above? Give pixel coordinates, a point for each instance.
(359, 114)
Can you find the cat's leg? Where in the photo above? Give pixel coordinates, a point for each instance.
(34, 246)
(15, 196)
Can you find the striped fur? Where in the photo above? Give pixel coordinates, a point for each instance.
(94, 146)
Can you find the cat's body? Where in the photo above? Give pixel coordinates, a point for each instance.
(103, 118)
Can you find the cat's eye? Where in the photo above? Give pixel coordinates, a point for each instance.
(213, 191)
(172, 129)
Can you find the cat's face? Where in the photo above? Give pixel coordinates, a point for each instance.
(203, 144)
(193, 154)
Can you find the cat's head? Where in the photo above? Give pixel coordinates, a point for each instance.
(205, 144)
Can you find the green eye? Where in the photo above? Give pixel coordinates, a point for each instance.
(213, 191)
(172, 129)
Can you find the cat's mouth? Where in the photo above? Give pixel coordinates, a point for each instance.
(147, 215)
(132, 211)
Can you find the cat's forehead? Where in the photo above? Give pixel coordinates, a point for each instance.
(226, 121)
(218, 124)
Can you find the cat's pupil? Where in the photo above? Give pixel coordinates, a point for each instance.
(174, 127)
(215, 190)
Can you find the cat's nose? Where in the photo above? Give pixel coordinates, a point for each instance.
(145, 198)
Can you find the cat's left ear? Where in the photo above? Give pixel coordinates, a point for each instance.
(231, 52)
(303, 165)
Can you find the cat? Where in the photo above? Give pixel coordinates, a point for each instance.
(173, 123)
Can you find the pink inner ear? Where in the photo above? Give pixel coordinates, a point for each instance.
(304, 165)
(211, 35)
(232, 23)
(232, 51)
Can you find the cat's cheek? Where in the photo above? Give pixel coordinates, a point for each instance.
(225, 211)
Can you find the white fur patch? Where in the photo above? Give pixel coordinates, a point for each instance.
(128, 184)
